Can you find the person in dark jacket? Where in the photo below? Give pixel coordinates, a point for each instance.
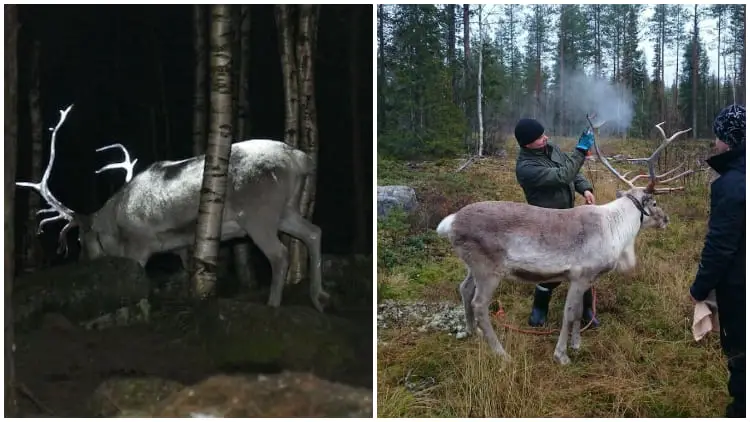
(722, 263)
(549, 178)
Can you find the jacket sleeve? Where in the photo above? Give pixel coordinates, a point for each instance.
(533, 175)
(726, 227)
(582, 184)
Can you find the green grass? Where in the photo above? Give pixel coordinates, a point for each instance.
(642, 361)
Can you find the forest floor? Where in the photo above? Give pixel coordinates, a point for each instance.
(641, 362)
(64, 370)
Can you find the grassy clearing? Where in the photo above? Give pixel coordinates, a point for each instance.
(642, 361)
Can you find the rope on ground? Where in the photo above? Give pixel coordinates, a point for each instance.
(500, 314)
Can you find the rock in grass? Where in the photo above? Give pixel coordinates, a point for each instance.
(283, 395)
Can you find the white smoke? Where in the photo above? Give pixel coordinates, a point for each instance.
(611, 102)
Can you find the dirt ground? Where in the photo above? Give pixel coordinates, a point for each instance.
(60, 365)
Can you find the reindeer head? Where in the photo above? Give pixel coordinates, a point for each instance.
(644, 198)
(92, 244)
(652, 215)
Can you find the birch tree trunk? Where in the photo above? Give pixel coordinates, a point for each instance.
(290, 71)
(33, 255)
(213, 193)
(200, 119)
(242, 263)
(307, 34)
(11, 133)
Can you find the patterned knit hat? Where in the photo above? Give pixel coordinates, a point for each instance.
(729, 126)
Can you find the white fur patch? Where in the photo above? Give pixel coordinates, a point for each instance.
(445, 227)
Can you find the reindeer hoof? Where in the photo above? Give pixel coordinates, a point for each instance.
(274, 303)
(322, 296)
(562, 358)
(575, 343)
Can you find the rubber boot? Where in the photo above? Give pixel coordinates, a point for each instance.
(588, 310)
(540, 307)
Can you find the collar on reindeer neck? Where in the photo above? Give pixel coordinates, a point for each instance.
(638, 205)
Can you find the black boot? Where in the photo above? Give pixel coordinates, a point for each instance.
(588, 310)
(540, 307)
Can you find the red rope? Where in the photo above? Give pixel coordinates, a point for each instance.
(501, 314)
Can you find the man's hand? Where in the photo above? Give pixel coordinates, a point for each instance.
(589, 197)
(695, 302)
(586, 141)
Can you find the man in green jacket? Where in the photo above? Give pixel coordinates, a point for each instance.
(549, 178)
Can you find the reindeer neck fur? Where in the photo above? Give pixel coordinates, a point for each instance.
(624, 221)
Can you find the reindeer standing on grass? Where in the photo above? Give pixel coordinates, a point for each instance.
(157, 210)
(529, 244)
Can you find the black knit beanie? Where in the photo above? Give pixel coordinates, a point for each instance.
(729, 126)
(529, 130)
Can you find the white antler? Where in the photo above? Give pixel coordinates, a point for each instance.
(650, 162)
(64, 213)
(126, 165)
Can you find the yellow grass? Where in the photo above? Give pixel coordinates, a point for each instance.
(641, 362)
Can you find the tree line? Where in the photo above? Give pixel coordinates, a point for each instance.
(444, 90)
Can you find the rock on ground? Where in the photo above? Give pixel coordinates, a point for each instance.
(423, 316)
(392, 197)
(287, 394)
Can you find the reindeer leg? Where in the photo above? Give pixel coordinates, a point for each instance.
(485, 287)
(295, 225)
(575, 336)
(184, 255)
(268, 242)
(467, 289)
(573, 311)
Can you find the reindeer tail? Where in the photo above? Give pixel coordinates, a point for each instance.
(303, 162)
(445, 228)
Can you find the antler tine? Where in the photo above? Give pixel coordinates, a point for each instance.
(64, 213)
(601, 156)
(62, 239)
(126, 165)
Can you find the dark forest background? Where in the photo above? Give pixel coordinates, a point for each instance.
(129, 71)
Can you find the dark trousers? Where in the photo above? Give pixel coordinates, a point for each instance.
(730, 300)
(553, 285)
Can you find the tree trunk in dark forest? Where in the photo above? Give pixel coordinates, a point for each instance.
(242, 262)
(307, 33)
(11, 141)
(200, 115)
(290, 71)
(33, 255)
(359, 189)
(213, 192)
